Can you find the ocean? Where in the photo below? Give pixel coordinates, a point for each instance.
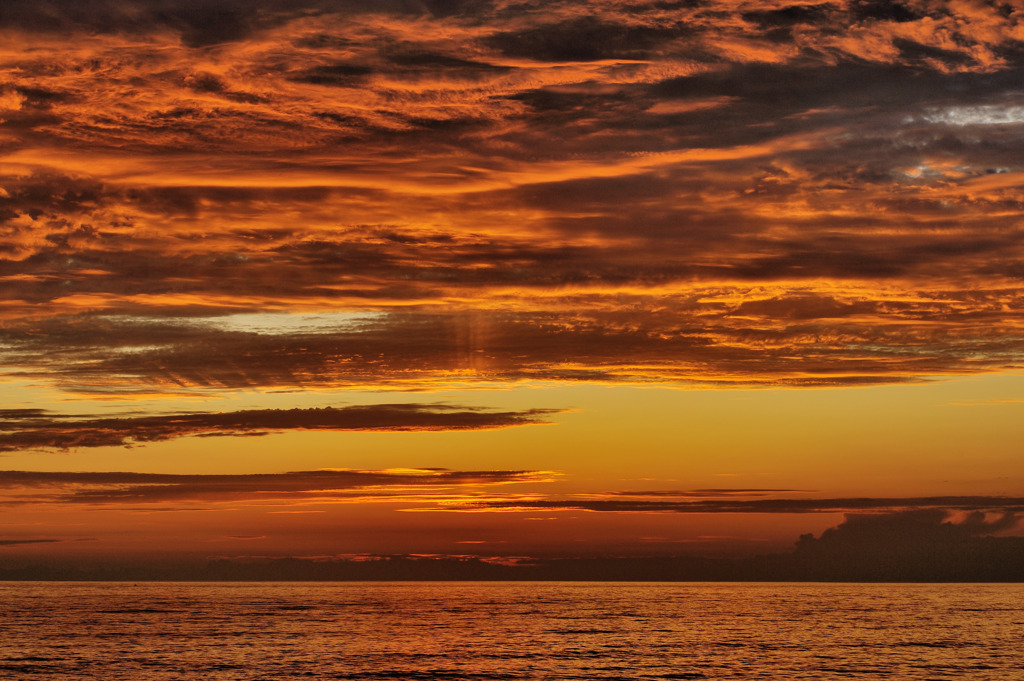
(482, 630)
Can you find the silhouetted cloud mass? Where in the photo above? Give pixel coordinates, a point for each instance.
(909, 546)
(920, 544)
(904, 531)
(35, 428)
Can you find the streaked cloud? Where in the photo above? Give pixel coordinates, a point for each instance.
(757, 334)
(22, 429)
(319, 486)
(444, 490)
(777, 505)
(21, 542)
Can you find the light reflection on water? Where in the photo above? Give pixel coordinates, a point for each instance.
(453, 630)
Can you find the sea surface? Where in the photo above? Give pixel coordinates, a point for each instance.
(475, 630)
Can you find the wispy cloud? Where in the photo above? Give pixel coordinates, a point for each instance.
(448, 490)
(319, 486)
(725, 336)
(775, 505)
(20, 542)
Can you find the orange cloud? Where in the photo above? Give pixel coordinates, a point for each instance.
(320, 486)
(765, 194)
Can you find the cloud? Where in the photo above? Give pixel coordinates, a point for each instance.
(582, 39)
(715, 493)
(22, 429)
(906, 528)
(199, 23)
(20, 542)
(926, 505)
(319, 486)
(724, 336)
(814, 194)
(912, 545)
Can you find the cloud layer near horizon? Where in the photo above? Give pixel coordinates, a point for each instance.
(774, 505)
(319, 486)
(461, 491)
(712, 192)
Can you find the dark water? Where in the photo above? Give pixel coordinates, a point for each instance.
(464, 630)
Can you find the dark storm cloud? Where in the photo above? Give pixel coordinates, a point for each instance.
(36, 429)
(18, 487)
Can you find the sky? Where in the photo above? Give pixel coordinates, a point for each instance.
(339, 279)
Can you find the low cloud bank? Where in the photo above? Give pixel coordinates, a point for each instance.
(910, 546)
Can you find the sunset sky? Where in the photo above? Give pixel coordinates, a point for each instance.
(507, 279)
